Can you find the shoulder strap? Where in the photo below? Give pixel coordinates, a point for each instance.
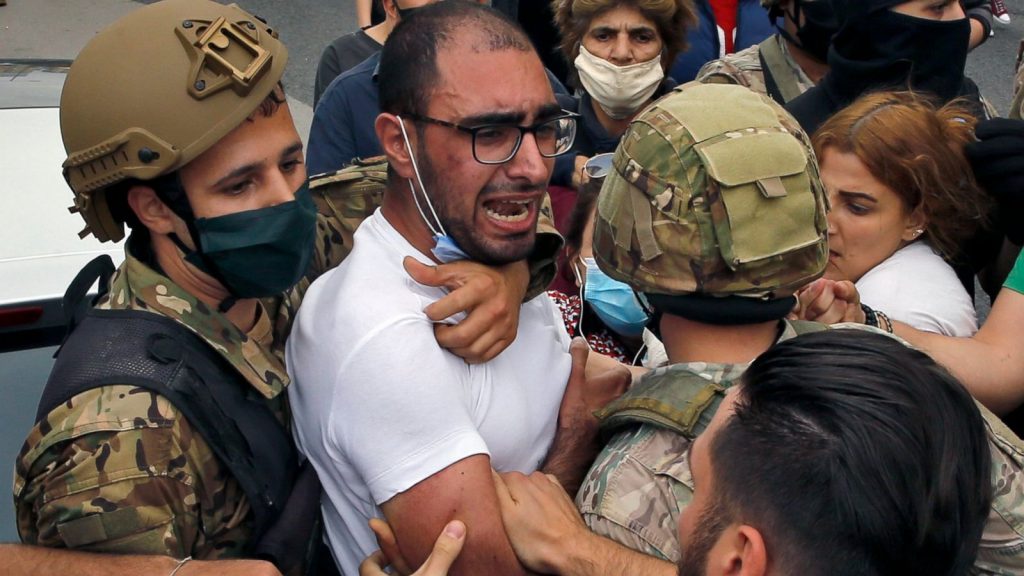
(680, 401)
(778, 78)
(74, 303)
(111, 347)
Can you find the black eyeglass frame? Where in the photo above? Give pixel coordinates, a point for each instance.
(532, 129)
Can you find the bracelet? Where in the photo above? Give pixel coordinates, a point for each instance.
(884, 319)
(870, 316)
(181, 563)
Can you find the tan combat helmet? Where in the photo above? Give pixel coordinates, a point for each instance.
(714, 191)
(154, 91)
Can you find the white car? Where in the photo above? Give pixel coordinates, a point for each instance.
(41, 251)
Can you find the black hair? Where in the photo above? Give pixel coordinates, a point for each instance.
(855, 455)
(408, 62)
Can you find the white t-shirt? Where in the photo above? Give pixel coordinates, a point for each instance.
(378, 406)
(917, 287)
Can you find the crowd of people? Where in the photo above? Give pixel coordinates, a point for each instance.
(754, 352)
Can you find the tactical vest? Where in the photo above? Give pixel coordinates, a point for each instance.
(158, 354)
(682, 402)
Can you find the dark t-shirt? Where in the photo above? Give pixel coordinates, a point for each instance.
(341, 55)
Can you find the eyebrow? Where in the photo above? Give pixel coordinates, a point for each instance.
(254, 166)
(546, 112)
(858, 196)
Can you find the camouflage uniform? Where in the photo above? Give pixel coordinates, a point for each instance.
(641, 482)
(116, 469)
(744, 68)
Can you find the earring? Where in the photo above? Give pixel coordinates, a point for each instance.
(918, 232)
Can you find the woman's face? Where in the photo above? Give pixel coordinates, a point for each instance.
(623, 36)
(868, 222)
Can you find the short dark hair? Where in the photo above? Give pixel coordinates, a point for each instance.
(855, 455)
(408, 62)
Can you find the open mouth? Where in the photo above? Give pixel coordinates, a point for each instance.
(511, 211)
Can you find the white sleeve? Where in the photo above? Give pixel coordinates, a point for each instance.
(401, 407)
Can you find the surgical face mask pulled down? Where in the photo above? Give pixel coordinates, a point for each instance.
(614, 302)
(619, 90)
(445, 249)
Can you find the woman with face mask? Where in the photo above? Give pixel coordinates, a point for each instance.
(602, 310)
(618, 51)
(903, 201)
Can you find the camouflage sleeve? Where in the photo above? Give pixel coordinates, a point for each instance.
(545, 252)
(91, 478)
(720, 72)
(1002, 543)
(633, 494)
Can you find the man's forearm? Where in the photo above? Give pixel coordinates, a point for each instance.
(572, 452)
(598, 556)
(25, 560)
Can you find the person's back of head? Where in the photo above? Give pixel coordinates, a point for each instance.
(713, 210)
(855, 455)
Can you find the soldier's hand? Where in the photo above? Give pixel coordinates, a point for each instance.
(491, 295)
(228, 568)
(540, 519)
(446, 550)
(829, 302)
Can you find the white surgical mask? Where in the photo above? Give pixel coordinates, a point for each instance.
(619, 90)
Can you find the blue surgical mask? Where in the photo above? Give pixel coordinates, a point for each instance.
(445, 248)
(613, 302)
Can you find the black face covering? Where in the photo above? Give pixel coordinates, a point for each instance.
(889, 49)
(819, 25)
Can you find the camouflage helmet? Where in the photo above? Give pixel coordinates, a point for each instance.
(714, 191)
(155, 90)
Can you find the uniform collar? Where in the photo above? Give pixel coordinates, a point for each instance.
(136, 286)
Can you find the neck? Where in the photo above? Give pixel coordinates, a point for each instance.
(400, 211)
(612, 126)
(381, 31)
(689, 341)
(205, 288)
(814, 68)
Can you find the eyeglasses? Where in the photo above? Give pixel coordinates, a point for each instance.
(498, 143)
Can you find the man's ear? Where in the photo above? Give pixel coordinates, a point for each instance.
(739, 552)
(150, 210)
(390, 9)
(389, 133)
(914, 225)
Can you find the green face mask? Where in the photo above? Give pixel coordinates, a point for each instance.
(257, 253)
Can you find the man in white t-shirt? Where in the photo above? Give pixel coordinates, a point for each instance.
(394, 424)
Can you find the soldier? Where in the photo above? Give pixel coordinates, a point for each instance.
(793, 60)
(788, 62)
(162, 433)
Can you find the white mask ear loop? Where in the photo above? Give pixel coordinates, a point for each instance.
(412, 189)
(579, 280)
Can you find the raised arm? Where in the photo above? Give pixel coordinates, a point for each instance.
(991, 364)
(463, 491)
(550, 537)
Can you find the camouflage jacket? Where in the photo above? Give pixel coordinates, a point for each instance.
(116, 469)
(1017, 106)
(744, 68)
(641, 482)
